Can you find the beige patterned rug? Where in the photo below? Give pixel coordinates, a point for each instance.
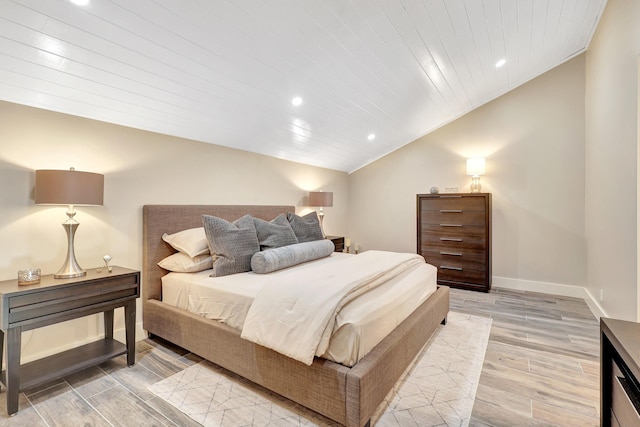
(437, 390)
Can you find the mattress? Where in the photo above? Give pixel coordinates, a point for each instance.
(360, 325)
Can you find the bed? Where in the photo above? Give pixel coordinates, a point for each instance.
(350, 396)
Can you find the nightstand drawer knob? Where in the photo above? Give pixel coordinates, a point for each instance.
(451, 210)
(450, 239)
(450, 225)
(451, 253)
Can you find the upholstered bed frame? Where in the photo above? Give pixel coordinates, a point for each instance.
(349, 396)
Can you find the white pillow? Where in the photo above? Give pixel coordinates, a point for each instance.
(192, 242)
(183, 263)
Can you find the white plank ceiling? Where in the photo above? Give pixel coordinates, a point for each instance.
(225, 71)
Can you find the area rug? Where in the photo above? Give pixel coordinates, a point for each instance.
(437, 390)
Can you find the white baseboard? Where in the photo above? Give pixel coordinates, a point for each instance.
(553, 289)
(120, 334)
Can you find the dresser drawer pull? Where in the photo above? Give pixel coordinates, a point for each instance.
(450, 239)
(451, 253)
(446, 267)
(451, 210)
(450, 225)
(451, 197)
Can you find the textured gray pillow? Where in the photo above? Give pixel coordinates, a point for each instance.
(274, 234)
(287, 256)
(307, 228)
(233, 243)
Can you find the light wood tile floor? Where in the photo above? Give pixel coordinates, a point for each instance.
(542, 361)
(541, 368)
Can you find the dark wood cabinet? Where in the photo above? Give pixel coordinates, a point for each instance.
(454, 234)
(619, 373)
(51, 301)
(338, 242)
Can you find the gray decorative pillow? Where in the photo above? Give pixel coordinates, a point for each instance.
(306, 228)
(233, 243)
(288, 256)
(276, 233)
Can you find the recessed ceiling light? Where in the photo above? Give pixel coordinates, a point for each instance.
(296, 101)
(501, 62)
(80, 2)
(371, 137)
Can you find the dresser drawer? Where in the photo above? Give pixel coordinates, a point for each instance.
(461, 277)
(437, 238)
(452, 203)
(453, 218)
(457, 259)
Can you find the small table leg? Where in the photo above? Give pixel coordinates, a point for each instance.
(130, 330)
(14, 342)
(108, 324)
(1, 346)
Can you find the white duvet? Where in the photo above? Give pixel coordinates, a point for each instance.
(358, 327)
(295, 315)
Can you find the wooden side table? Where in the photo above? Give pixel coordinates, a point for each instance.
(619, 373)
(338, 242)
(23, 308)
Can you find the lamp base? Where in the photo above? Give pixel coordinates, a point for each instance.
(475, 184)
(321, 218)
(60, 275)
(70, 268)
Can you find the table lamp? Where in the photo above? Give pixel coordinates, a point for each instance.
(62, 187)
(321, 199)
(475, 168)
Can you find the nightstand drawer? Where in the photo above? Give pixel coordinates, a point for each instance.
(56, 306)
(624, 398)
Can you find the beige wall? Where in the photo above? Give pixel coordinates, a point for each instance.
(140, 168)
(564, 212)
(533, 140)
(611, 158)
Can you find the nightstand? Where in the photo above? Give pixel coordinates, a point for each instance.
(51, 301)
(619, 373)
(338, 242)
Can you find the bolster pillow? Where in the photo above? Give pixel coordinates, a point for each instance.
(287, 256)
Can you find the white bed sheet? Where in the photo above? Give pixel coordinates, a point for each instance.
(359, 327)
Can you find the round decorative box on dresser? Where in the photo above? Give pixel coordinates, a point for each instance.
(454, 234)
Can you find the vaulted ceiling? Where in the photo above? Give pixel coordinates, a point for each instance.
(372, 75)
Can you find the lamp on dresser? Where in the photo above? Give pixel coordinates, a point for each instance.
(69, 187)
(475, 168)
(321, 199)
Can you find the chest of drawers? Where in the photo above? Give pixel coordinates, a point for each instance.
(454, 234)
